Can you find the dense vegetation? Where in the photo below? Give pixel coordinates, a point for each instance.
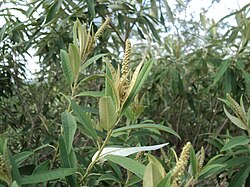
(170, 109)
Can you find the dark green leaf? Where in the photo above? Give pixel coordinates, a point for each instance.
(142, 76)
(240, 177)
(91, 8)
(128, 163)
(47, 176)
(66, 66)
(53, 9)
(69, 129)
(22, 156)
(147, 126)
(235, 141)
(221, 70)
(84, 119)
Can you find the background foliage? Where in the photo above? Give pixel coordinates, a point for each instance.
(196, 63)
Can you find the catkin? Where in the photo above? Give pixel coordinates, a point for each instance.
(202, 158)
(237, 109)
(101, 29)
(181, 164)
(127, 53)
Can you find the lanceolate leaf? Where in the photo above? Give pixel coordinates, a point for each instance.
(209, 170)
(147, 126)
(53, 9)
(169, 11)
(68, 161)
(152, 159)
(240, 177)
(47, 176)
(235, 141)
(12, 166)
(137, 81)
(20, 157)
(14, 184)
(128, 163)
(235, 120)
(69, 128)
(107, 112)
(84, 119)
(74, 59)
(221, 70)
(92, 60)
(91, 8)
(152, 175)
(2, 31)
(125, 151)
(91, 94)
(66, 66)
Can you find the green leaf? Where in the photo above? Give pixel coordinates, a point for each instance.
(92, 60)
(169, 11)
(10, 161)
(134, 180)
(210, 170)
(47, 176)
(235, 120)
(14, 184)
(22, 156)
(107, 177)
(91, 77)
(107, 113)
(240, 177)
(248, 118)
(153, 30)
(140, 79)
(152, 175)
(66, 66)
(193, 161)
(69, 129)
(147, 126)
(68, 161)
(53, 9)
(129, 164)
(91, 8)
(152, 159)
(235, 141)
(44, 166)
(2, 31)
(110, 88)
(221, 70)
(166, 181)
(91, 94)
(84, 119)
(74, 59)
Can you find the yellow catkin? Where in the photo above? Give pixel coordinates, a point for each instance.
(181, 164)
(101, 29)
(202, 158)
(127, 53)
(237, 109)
(124, 83)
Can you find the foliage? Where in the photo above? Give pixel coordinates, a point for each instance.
(87, 117)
